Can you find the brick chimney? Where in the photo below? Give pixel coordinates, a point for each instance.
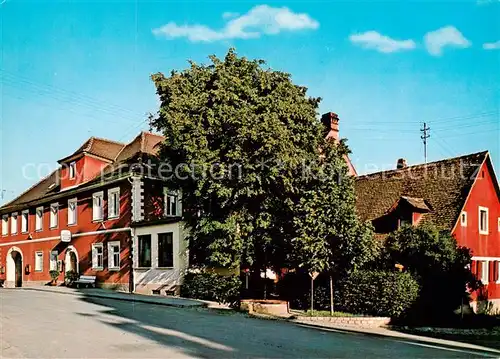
(331, 122)
(401, 163)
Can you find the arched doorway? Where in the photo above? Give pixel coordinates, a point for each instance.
(71, 260)
(14, 267)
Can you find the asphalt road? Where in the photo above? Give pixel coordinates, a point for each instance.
(48, 325)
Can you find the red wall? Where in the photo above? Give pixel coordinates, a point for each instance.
(87, 167)
(82, 244)
(483, 194)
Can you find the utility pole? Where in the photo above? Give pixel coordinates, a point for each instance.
(424, 138)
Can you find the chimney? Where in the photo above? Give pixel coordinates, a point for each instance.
(331, 122)
(401, 163)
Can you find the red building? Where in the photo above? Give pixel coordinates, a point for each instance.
(104, 212)
(459, 194)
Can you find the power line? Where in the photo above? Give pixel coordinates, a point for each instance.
(424, 138)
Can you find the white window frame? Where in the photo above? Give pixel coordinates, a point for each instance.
(485, 274)
(485, 209)
(98, 210)
(25, 218)
(72, 170)
(167, 210)
(112, 211)
(54, 216)
(95, 262)
(112, 266)
(463, 219)
(74, 211)
(38, 254)
(5, 225)
(38, 219)
(13, 223)
(53, 262)
(498, 271)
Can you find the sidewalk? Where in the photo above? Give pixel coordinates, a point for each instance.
(109, 294)
(400, 336)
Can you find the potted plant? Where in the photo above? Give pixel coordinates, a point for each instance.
(54, 274)
(70, 277)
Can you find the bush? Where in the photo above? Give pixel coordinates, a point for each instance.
(54, 274)
(379, 293)
(70, 277)
(212, 286)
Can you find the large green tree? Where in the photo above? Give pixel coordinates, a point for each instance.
(236, 135)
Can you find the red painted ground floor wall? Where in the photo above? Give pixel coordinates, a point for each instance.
(81, 246)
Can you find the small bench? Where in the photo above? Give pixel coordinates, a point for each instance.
(87, 280)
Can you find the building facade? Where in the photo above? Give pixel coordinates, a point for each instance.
(460, 194)
(98, 214)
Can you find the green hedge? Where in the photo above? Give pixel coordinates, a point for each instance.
(380, 293)
(212, 286)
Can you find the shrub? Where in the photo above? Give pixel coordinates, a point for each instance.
(70, 277)
(380, 293)
(212, 286)
(54, 274)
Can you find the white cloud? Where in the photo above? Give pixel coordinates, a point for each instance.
(492, 45)
(229, 15)
(261, 19)
(448, 36)
(381, 43)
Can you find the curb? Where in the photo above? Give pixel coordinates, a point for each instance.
(124, 299)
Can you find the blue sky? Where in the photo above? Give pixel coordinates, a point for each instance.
(72, 69)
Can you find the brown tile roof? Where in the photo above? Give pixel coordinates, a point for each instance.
(444, 185)
(100, 147)
(118, 153)
(146, 142)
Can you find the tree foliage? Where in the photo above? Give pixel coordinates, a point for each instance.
(438, 263)
(241, 140)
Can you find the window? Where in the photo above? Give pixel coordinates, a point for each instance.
(13, 223)
(53, 260)
(463, 219)
(499, 224)
(483, 220)
(165, 250)
(145, 251)
(114, 255)
(54, 215)
(484, 271)
(72, 207)
(498, 272)
(38, 261)
(5, 225)
(113, 202)
(72, 170)
(24, 221)
(97, 256)
(39, 219)
(171, 203)
(97, 211)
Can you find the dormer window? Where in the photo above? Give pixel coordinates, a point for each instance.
(72, 170)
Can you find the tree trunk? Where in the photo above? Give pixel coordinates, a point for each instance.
(331, 295)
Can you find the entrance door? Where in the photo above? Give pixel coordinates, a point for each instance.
(18, 260)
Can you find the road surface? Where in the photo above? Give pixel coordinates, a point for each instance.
(49, 325)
